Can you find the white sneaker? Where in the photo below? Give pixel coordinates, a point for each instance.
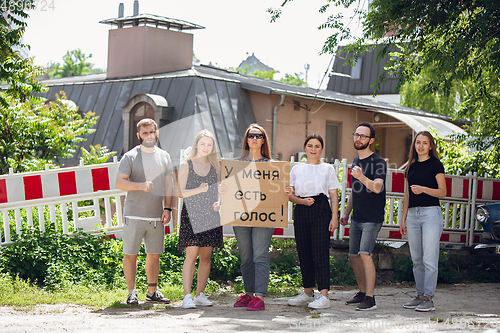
(321, 302)
(188, 302)
(202, 300)
(302, 300)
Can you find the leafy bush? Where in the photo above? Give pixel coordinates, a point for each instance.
(403, 268)
(96, 154)
(54, 260)
(341, 273)
(285, 284)
(284, 259)
(225, 264)
(68, 268)
(34, 134)
(448, 269)
(458, 157)
(491, 273)
(452, 269)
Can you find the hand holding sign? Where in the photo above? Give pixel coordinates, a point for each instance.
(252, 193)
(222, 188)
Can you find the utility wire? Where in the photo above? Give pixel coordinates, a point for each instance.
(331, 60)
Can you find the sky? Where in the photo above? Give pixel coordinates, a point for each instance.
(234, 30)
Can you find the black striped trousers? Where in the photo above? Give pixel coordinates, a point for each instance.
(313, 241)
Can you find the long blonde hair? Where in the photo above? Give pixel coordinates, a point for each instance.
(265, 149)
(213, 157)
(413, 156)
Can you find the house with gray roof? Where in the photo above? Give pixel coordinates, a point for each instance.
(150, 74)
(358, 78)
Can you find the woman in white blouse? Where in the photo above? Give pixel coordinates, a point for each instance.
(312, 183)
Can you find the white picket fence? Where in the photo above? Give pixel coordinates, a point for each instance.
(72, 199)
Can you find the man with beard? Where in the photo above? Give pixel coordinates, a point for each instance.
(145, 172)
(367, 201)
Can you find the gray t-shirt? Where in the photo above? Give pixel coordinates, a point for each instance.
(142, 166)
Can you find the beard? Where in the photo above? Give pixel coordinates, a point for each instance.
(362, 146)
(148, 144)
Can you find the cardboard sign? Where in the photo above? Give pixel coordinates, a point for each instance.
(254, 196)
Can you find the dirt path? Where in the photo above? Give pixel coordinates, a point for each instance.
(467, 308)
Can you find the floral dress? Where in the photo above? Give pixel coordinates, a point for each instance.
(200, 224)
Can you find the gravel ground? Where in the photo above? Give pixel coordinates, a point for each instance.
(459, 308)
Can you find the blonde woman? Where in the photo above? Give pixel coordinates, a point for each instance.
(200, 230)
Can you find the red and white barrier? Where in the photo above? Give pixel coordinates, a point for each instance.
(57, 183)
(457, 187)
(96, 182)
(488, 189)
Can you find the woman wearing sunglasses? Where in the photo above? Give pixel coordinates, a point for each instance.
(253, 242)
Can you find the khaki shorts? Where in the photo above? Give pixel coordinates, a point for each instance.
(134, 231)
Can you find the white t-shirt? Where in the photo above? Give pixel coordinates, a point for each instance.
(312, 179)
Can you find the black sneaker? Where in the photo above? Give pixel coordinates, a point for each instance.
(367, 304)
(358, 298)
(158, 297)
(132, 298)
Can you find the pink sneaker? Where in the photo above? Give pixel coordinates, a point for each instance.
(243, 301)
(256, 305)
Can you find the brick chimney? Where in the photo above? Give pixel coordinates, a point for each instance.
(145, 44)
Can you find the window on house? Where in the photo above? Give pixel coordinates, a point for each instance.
(331, 142)
(140, 111)
(356, 69)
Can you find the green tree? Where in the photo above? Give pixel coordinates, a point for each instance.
(457, 157)
(243, 71)
(75, 64)
(196, 61)
(34, 134)
(96, 154)
(289, 78)
(257, 73)
(17, 72)
(415, 94)
(456, 41)
(264, 74)
(294, 79)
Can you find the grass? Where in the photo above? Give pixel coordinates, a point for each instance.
(15, 292)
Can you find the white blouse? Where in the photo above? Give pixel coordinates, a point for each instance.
(312, 179)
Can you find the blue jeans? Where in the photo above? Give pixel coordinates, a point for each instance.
(362, 237)
(253, 245)
(424, 226)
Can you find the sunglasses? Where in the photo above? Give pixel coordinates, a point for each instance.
(255, 136)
